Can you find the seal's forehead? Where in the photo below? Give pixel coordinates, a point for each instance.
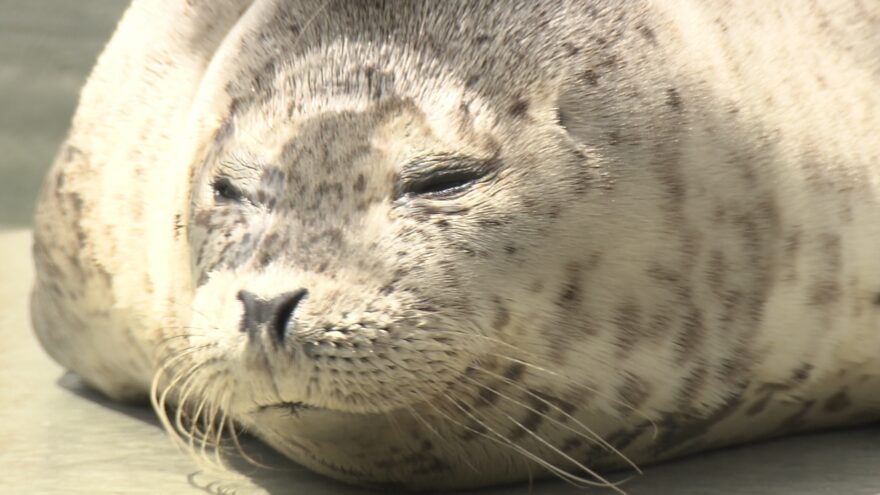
(324, 51)
(381, 136)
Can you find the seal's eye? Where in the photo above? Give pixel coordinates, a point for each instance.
(442, 183)
(440, 178)
(225, 191)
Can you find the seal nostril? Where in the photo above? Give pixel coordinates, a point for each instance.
(275, 313)
(254, 311)
(284, 306)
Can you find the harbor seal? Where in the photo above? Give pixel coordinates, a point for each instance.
(452, 244)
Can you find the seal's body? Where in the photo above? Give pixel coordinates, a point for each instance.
(448, 244)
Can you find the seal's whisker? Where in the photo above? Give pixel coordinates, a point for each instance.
(559, 451)
(464, 454)
(218, 432)
(182, 383)
(499, 438)
(187, 388)
(590, 389)
(206, 422)
(233, 434)
(194, 434)
(159, 401)
(572, 382)
(587, 434)
(539, 438)
(211, 413)
(202, 430)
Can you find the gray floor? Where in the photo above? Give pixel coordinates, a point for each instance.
(58, 437)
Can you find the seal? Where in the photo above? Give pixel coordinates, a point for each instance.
(453, 244)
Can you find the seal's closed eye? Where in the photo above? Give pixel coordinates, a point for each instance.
(440, 178)
(225, 191)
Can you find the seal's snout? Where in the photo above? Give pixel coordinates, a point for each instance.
(273, 315)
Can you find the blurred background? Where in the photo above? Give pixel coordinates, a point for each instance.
(47, 48)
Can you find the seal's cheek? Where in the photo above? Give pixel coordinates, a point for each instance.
(224, 239)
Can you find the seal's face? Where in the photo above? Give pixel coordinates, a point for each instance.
(327, 244)
(348, 259)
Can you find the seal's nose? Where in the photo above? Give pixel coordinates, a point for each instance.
(272, 314)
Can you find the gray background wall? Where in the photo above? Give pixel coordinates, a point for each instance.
(47, 48)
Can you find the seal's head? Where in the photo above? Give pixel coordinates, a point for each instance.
(359, 255)
(362, 247)
(390, 241)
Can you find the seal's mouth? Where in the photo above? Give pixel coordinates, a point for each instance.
(289, 407)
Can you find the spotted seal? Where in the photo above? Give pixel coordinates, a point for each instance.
(451, 244)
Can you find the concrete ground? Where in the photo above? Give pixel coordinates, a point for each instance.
(59, 437)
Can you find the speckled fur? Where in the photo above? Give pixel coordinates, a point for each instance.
(675, 243)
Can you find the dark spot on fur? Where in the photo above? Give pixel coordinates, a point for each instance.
(824, 292)
(647, 33)
(178, 225)
(673, 99)
(570, 49)
(519, 108)
(487, 396)
(473, 430)
(622, 439)
(759, 406)
(434, 467)
(876, 299)
(571, 444)
(627, 319)
(71, 152)
(510, 249)
(633, 392)
(614, 137)
(795, 422)
(534, 418)
(692, 333)
(489, 222)
(225, 131)
(716, 272)
(837, 402)
(360, 184)
(590, 77)
(678, 429)
(483, 38)
(802, 374)
(664, 275)
(373, 89)
(502, 315)
(693, 384)
(537, 286)
(570, 295)
(515, 371)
